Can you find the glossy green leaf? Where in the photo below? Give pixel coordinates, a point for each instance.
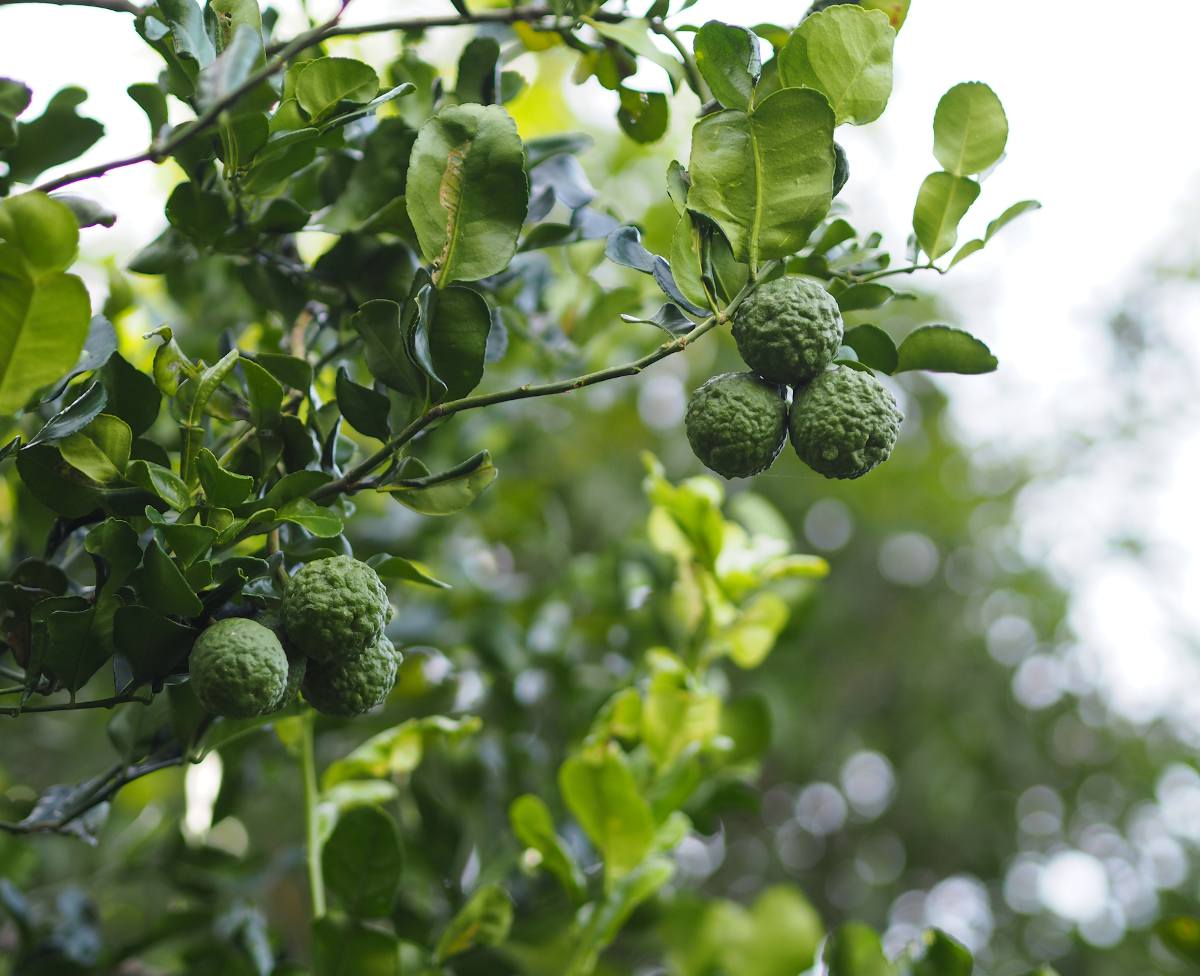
(970, 129)
(483, 921)
(222, 488)
(397, 751)
(941, 349)
(467, 193)
(728, 58)
(207, 384)
(322, 522)
(363, 862)
(406, 570)
(73, 654)
(365, 409)
(44, 313)
(386, 347)
(479, 72)
(643, 116)
(874, 347)
(447, 492)
(458, 333)
(604, 797)
(101, 449)
(266, 395)
(325, 82)
(844, 52)
(857, 297)
(74, 416)
(154, 645)
(765, 178)
(534, 827)
(163, 587)
(163, 482)
(290, 370)
(942, 202)
(231, 67)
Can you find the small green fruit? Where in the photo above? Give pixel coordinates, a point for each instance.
(238, 669)
(353, 685)
(736, 424)
(333, 607)
(297, 666)
(844, 423)
(788, 330)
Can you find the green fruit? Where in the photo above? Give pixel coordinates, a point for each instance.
(297, 666)
(353, 685)
(789, 330)
(238, 668)
(736, 424)
(333, 607)
(844, 423)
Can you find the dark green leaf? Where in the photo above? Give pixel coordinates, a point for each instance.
(479, 72)
(729, 61)
(163, 587)
(1181, 934)
(153, 101)
(343, 947)
(458, 332)
(858, 297)
(386, 347)
(939, 955)
(941, 349)
(162, 481)
(325, 82)
(363, 861)
(57, 136)
(643, 116)
(669, 318)
(322, 522)
(88, 213)
(366, 410)
(291, 370)
(153, 645)
(266, 395)
(74, 417)
(855, 950)
(132, 395)
(873, 346)
(398, 568)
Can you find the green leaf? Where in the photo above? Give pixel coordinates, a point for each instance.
(874, 347)
(643, 116)
(207, 384)
(845, 53)
(458, 332)
(324, 82)
(163, 482)
(55, 483)
(687, 248)
(57, 136)
(88, 213)
(752, 633)
(379, 322)
(970, 129)
(729, 61)
(163, 587)
(447, 492)
(1181, 934)
(14, 99)
(765, 178)
(152, 100)
(187, 29)
(855, 950)
(74, 417)
(154, 645)
(397, 751)
(941, 349)
(101, 449)
(676, 715)
(939, 955)
(222, 488)
(406, 570)
(73, 654)
(857, 297)
(322, 522)
(467, 192)
(534, 827)
(44, 313)
(634, 33)
(942, 202)
(363, 861)
(610, 915)
(291, 370)
(188, 541)
(202, 215)
(1009, 215)
(604, 797)
(231, 67)
(478, 77)
(266, 395)
(483, 921)
(367, 410)
(347, 947)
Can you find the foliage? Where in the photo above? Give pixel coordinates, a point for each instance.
(199, 475)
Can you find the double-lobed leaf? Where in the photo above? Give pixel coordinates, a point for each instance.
(467, 192)
(765, 177)
(844, 52)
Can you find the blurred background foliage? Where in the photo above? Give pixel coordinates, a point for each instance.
(937, 751)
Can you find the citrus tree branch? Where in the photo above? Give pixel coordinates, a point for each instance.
(117, 6)
(352, 479)
(159, 151)
(72, 706)
(699, 86)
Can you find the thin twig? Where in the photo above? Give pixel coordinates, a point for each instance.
(352, 479)
(159, 151)
(74, 706)
(117, 6)
(695, 79)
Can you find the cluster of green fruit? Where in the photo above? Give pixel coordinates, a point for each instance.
(842, 421)
(333, 615)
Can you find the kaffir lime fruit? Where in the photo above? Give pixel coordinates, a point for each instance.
(788, 330)
(844, 423)
(297, 666)
(334, 607)
(238, 668)
(736, 424)
(353, 685)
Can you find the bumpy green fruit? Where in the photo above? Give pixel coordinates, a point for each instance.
(333, 607)
(736, 424)
(788, 330)
(844, 423)
(353, 685)
(238, 668)
(297, 666)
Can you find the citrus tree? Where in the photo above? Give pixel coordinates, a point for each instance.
(353, 255)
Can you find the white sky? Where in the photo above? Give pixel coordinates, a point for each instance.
(1101, 103)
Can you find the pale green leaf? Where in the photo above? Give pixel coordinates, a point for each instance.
(942, 202)
(970, 129)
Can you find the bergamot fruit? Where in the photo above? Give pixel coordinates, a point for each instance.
(297, 666)
(844, 423)
(334, 607)
(736, 424)
(789, 330)
(239, 668)
(353, 685)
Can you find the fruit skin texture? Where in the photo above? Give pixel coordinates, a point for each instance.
(333, 607)
(353, 685)
(239, 668)
(736, 424)
(789, 330)
(297, 666)
(844, 423)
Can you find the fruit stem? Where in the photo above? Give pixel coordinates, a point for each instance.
(312, 832)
